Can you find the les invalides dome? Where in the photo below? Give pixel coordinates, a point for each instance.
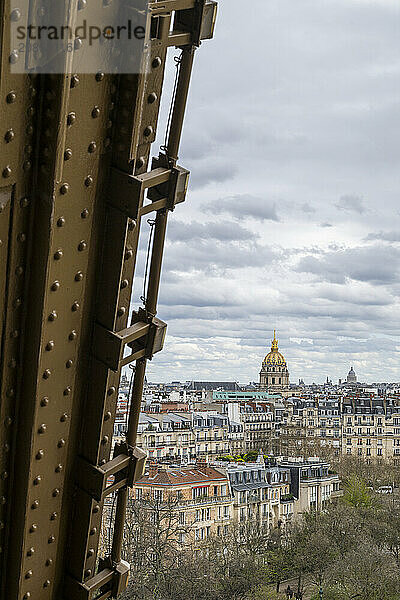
(274, 374)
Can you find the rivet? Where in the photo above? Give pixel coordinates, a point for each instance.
(74, 81)
(61, 222)
(96, 112)
(28, 149)
(56, 492)
(88, 573)
(105, 440)
(82, 246)
(15, 334)
(47, 374)
(128, 254)
(67, 391)
(53, 516)
(58, 255)
(17, 302)
(39, 455)
(61, 443)
(3, 500)
(99, 76)
(11, 393)
(52, 316)
(11, 97)
(37, 480)
(33, 528)
(9, 136)
(44, 401)
(121, 311)
(46, 583)
(42, 428)
(111, 391)
(103, 462)
(71, 118)
(148, 131)
(50, 346)
(69, 363)
(6, 447)
(49, 562)
(64, 189)
(78, 43)
(82, 4)
(31, 551)
(124, 284)
(84, 213)
(14, 56)
(15, 15)
(2, 207)
(68, 154)
(31, 111)
(89, 181)
(8, 421)
(131, 224)
(27, 165)
(64, 418)
(92, 147)
(27, 596)
(51, 539)
(4, 475)
(19, 270)
(79, 276)
(72, 336)
(93, 531)
(1, 524)
(58, 468)
(90, 553)
(75, 307)
(96, 509)
(107, 416)
(55, 286)
(28, 574)
(7, 172)
(22, 237)
(156, 62)
(29, 130)
(151, 98)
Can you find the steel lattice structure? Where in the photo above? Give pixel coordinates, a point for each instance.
(75, 182)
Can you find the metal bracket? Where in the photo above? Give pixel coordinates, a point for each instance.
(127, 466)
(145, 339)
(109, 581)
(166, 188)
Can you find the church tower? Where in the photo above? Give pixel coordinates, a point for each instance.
(274, 374)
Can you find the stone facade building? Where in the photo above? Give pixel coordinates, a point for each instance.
(274, 374)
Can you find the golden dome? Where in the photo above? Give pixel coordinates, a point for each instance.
(274, 358)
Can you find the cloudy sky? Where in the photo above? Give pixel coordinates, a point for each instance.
(292, 136)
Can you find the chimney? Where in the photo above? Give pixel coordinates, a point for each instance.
(201, 462)
(153, 469)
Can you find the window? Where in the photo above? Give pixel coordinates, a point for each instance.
(182, 518)
(139, 494)
(158, 495)
(379, 452)
(199, 491)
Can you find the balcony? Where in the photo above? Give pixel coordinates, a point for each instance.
(202, 500)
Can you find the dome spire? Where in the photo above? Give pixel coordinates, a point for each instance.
(274, 346)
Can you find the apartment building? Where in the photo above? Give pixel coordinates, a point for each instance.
(371, 428)
(312, 483)
(261, 492)
(183, 437)
(199, 494)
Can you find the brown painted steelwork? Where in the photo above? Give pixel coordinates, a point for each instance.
(74, 186)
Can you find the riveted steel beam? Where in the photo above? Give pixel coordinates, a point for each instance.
(75, 184)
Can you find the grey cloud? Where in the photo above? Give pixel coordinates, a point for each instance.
(351, 203)
(326, 225)
(375, 264)
(244, 205)
(386, 236)
(222, 231)
(307, 208)
(209, 172)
